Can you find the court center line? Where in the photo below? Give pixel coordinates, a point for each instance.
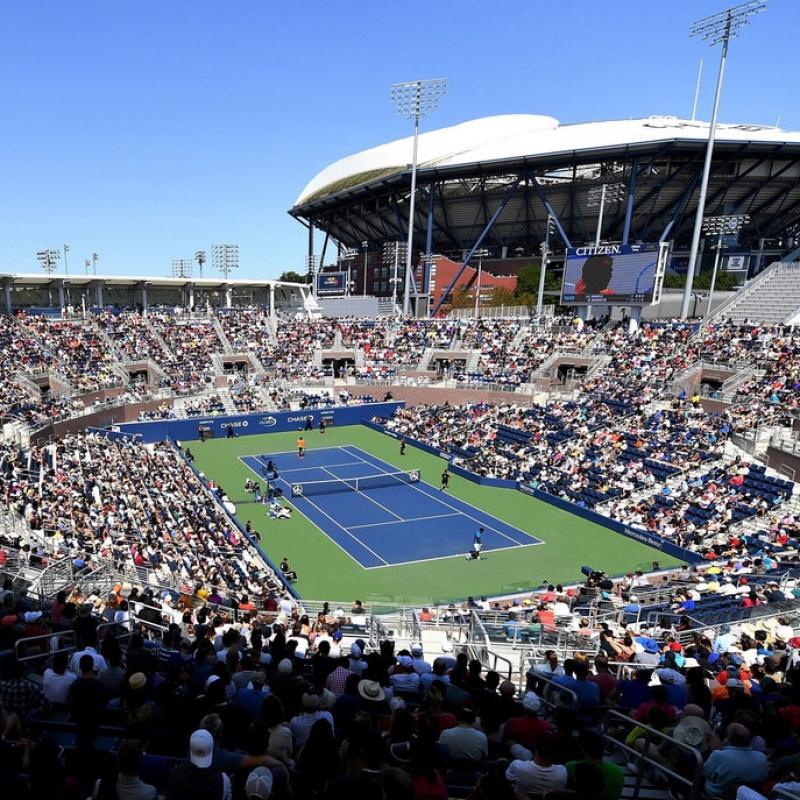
(400, 521)
(358, 491)
(303, 469)
(453, 508)
(341, 527)
(322, 530)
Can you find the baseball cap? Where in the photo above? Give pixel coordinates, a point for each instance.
(259, 784)
(531, 701)
(201, 748)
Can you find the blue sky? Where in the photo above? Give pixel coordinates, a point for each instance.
(146, 130)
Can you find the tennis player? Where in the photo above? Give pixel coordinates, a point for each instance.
(402, 445)
(445, 480)
(301, 447)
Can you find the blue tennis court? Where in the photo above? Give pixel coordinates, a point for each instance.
(391, 520)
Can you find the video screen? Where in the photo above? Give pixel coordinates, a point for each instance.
(612, 274)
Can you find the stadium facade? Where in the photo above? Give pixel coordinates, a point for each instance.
(493, 181)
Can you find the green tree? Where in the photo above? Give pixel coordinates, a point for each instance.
(726, 281)
(502, 297)
(290, 276)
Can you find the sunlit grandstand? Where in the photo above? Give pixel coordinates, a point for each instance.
(501, 507)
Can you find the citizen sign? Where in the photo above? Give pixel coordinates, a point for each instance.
(267, 422)
(603, 250)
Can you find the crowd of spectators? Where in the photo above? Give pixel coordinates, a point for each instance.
(192, 343)
(257, 701)
(79, 349)
(141, 507)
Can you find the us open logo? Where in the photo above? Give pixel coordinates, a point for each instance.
(267, 422)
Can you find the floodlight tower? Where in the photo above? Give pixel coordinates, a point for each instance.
(597, 196)
(392, 253)
(480, 255)
(95, 257)
(66, 265)
(413, 100)
(48, 259)
(717, 29)
(225, 258)
(181, 268)
(200, 258)
(727, 225)
(545, 248)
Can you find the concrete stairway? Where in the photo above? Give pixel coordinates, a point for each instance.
(772, 297)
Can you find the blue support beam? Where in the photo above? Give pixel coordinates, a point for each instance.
(499, 210)
(626, 227)
(552, 213)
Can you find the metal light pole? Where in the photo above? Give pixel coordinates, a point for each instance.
(392, 254)
(48, 260)
(181, 268)
(200, 258)
(480, 254)
(413, 100)
(728, 225)
(346, 255)
(545, 248)
(717, 29)
(597, 196)
(225, 258)
(86, 264)
(66, 266)
(365, 248)
(312, 268)
(95, 257)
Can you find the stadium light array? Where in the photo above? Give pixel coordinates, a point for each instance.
(597, 196)
(48, 259)
(393, 253)
(66, 264)
(181, 268)
(545, 248)
(95, 258)
(726, 225)
(414, 100)
(225, 258)
(717, 29)
(480, 255)
(200, 258)
(312, 268)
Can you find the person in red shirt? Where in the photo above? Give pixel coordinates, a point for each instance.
(529, 728)
(595, 277)
(605, 681)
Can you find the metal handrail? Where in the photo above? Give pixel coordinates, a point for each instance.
(22, 644)
(655, 737)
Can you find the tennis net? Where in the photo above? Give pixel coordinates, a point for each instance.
(364, 483)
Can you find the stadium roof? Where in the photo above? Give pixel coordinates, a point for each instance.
(515, 136)
(497, 178)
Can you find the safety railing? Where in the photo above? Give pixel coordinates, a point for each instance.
(689, 782)
(65, 642)
(480, 647)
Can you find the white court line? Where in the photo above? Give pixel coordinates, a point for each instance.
(456, 555)
(456, 510)
(303, 469)
(294, 452)
(358, 491)
(324, 532)
(404, 519)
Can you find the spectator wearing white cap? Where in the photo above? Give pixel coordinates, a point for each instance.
(259, 784)
(196, 779)
(447, 655)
